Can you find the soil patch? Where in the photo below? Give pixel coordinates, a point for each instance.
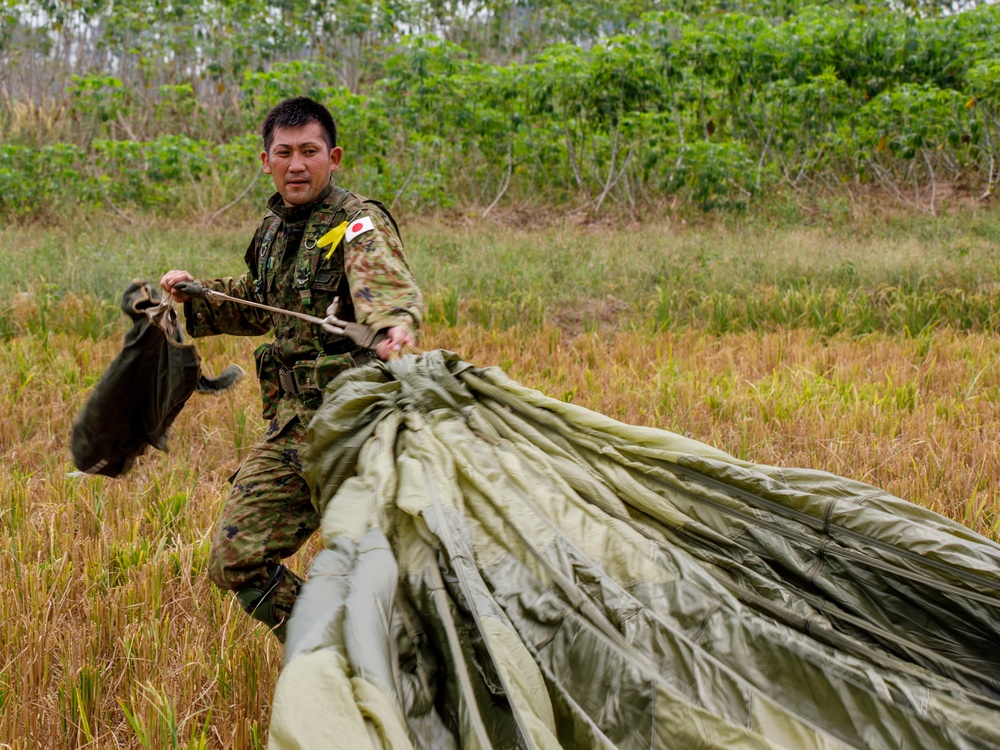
(590, 315)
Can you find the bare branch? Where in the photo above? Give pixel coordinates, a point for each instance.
(117, 210)
(234, 201)
(506, 179)
(887, 183)
(611, 183)
(930, 171)
(406, 184)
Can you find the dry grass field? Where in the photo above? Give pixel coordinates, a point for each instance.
(112, 636)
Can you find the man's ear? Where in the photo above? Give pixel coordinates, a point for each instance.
(336, 154)
(264, 162)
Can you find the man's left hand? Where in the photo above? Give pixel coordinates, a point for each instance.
(398, 338)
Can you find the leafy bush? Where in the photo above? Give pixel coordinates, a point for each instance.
(712, 105)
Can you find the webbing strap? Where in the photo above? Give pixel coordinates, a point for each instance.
(364, 336)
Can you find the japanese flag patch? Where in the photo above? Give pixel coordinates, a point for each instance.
(358, 226)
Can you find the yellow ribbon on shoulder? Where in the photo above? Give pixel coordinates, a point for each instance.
(332, 238)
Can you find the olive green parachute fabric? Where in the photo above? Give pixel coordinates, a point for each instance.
(505, 570)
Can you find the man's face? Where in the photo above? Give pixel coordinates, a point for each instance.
(300, 162)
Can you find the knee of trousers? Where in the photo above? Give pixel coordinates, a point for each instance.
(231, 568)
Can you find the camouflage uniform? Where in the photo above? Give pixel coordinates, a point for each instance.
(269, 513)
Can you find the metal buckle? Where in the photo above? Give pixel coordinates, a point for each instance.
(288, 382)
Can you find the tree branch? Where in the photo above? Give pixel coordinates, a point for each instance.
(234, 201)
(506, 179)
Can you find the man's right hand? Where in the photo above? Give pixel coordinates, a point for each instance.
(397, 338)
(170, 278)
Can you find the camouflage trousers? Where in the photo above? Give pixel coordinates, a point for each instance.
(268, 517)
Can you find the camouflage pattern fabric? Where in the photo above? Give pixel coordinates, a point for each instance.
(268, 514)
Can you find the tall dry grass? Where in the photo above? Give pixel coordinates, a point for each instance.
(917, 417)
(113, 638)
(112, 635)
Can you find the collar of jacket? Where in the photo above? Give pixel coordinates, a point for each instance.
(320, 215)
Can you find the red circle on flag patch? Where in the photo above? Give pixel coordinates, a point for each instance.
(357, 227)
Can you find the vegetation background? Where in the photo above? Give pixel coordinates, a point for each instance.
(632, 104)
(767, 225)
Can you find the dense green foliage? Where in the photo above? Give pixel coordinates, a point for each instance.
(548, 103)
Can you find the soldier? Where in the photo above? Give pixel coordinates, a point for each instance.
(293, 264)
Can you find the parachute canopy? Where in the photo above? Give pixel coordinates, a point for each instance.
(502, 569)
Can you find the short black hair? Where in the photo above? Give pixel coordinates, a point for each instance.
(296, 112)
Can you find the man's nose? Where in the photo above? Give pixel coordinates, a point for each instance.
(297, 163)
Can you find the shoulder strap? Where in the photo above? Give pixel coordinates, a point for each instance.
(259, 251)
(323, 218)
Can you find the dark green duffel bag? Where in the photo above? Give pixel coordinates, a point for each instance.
(143, 390)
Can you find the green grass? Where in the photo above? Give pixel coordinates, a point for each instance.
(878, 272)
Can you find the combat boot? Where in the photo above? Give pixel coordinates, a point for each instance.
(260, 602)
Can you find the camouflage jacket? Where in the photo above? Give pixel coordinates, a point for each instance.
(366, 270)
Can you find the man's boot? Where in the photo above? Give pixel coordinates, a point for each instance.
(265, 602)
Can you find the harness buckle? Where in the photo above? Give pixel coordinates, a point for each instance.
(288, 382)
